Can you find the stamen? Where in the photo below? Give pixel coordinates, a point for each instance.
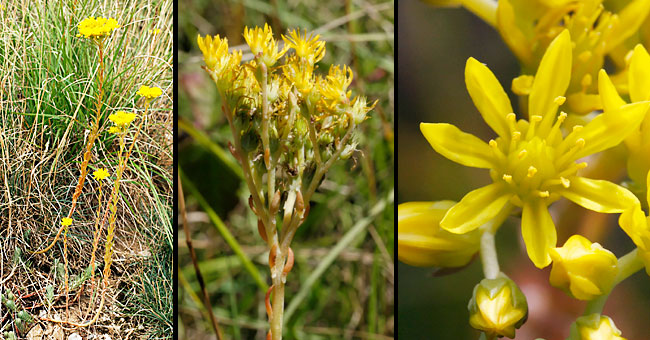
(585, 56)
(555, 130)
(543, 194)
(565, 182)
(522, 154)
(559, 100)
(507, 178)
(533, 123)
(577, 128)
(532, 171)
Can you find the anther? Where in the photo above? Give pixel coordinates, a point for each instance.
(536, 118)
(582, 165)
(585, 56)
(543, 194)
(507, 178)
(580, 143)
(511, 116)
(559, 100)
(532, 171)
(516, 135)
(577, 128)
(565, 182)
(586, 82)
(493, 143)
(522, 154)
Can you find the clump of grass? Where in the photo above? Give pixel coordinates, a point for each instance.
(48, 112)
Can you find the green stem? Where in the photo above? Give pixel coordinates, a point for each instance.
(627, 265)
(489, 255)
(484, 9)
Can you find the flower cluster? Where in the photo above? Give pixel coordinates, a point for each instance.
(121, 119)
(149, 93)
(97, 28)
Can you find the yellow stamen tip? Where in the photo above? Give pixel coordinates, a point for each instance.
(565, 182)
(511, 116)
(522, 154)
(532, 171)
(536, 118)
(559, 100)
(577, 128)
(580, 142)
(586, 81)
(543, 194)
(585, 56)
(516, 135)
(582, 165)
(493, 143)
(507, 178)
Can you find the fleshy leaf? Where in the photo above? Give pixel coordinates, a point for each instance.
(598, 195)
(476, 208)
(488, 96)
(538, 231)
(458, 146)
(552, 79)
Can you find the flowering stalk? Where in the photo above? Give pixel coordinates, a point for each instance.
(290, 127)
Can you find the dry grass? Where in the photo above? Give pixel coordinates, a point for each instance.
(47, 85)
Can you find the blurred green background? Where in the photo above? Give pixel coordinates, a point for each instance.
(354, 297)
(434, 44)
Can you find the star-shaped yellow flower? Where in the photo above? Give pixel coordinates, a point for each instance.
(66, 221)
(100, 174)
(531, 163)
(97, 28)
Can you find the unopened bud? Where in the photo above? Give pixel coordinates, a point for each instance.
(498, 307)
(594, 327)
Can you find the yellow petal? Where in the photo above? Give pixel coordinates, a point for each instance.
(510, 32)
(538, 231)
(582, 288)
(608, 94)
(630, 19)
(639, 74)
(488, 96)
(648, 189)
(633, 222)
(598, 195)
(476, 208)
(551, 80)
(607, 129)
(458, 146)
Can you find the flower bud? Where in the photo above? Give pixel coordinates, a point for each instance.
(594, 327)
(497, 307)
(421, 241)
(583, 269)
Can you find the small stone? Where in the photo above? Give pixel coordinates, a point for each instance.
(75, 336)
(36, 333)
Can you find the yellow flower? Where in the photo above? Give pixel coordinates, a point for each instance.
(637, 226)
(100, 174)
(154, 31)
(334, 88)
(309, 48)
(595, 327)
(528, 27)
(421, 241)
(585, 270)
(638, 143)
(121, 118)
(301, 75)
(97, 28)
(263, 45)
(497, 307)
(66, 221)
(115, 129)
(530, 162)
(149, 92)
